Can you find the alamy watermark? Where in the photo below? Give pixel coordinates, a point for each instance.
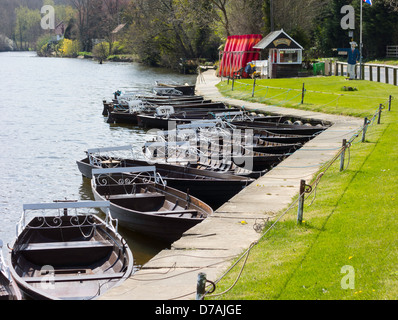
(348, 281)
(225, 148)
(48, 20)
(348, 21)
(48, 281)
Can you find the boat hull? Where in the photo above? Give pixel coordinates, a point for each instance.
(151, 223)
(81, 266)
(211, 187)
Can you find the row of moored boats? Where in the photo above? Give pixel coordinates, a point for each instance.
(202, 154)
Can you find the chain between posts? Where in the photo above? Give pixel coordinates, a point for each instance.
(304, 189)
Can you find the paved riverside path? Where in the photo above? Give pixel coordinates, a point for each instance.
(211, 246)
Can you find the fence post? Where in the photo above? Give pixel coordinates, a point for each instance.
(254, 86)
(362, 67)
(395, 76)
(380, 111)
(370, 73)
(303, 93)
(233, 83)
(378, 73)
(386, 74)
(300, 211)
(201, 286)
(389, 103)
(343, 155)
(365, 127)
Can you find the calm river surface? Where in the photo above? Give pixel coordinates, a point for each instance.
(51, 113)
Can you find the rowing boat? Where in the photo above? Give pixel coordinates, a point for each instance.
(142, 202)
(66, 252)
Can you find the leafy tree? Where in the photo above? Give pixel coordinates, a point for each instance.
(27, 27)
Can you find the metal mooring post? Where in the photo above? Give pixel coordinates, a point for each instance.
(301, 202)
(380, 111)
(389, 103)
(254, 86)
(201, 286)
(343, 155)
(303, 94)
(365, 127)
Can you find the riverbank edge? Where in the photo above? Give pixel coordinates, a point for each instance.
(211, 246)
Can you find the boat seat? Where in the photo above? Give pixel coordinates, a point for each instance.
(80, 277)
(136, 195)
(66, 245)
(63, 254)
(193, 213)
(144, 202)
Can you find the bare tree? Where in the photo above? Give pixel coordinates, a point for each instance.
(297, 14)
(223, 18)
(393, 4)
(89, 21)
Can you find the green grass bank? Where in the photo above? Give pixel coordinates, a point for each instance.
(331, 95)
(346, 247)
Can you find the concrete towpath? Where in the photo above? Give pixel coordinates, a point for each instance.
(211, 246)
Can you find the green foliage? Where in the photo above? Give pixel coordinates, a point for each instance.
(84, 54)
(323, 94)
(43, 46)
(27, 26)
(69, 48)
(101, 51)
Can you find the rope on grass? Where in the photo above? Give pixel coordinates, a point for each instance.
(313, 188)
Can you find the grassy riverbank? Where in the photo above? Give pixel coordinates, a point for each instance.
(347, 246)
(322, 94)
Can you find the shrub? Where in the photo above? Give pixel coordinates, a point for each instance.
(101, 51)
(44, 46)
(69, 48)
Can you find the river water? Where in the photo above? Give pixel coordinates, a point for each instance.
(51, 113)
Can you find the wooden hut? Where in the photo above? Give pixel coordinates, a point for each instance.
(285, 55)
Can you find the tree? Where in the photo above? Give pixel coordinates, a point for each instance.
(163, 31)
(89, 22)
(223, 16)
(27, 28)
(112, 13)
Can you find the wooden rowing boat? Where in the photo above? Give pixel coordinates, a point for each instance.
(118, 114)
(8, 288)
(66, 252)
(145, 205)
(214, 188)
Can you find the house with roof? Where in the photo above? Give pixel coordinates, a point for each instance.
(285, 55)
(60, 31)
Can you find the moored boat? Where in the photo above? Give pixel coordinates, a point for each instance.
(214, 188)
(66, 252)
(144, 204)
(8, 288)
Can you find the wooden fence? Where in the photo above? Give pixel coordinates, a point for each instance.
(371, 72)
(392, 52)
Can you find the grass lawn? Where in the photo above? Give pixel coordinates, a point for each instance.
(388, 61)
(323, 94)
(346, 249)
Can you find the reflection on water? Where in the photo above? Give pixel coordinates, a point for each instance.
(51, 113)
